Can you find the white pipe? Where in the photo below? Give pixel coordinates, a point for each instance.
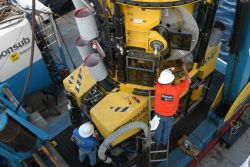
(96, 66)
(84, 47)
(82, 4)
(88, 5)
(78, 4)
(86, 23)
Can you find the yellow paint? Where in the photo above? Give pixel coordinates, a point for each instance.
(110, 6)
(157, 1)
(154, 1)
(14, 56)
(107, 120)
(143, 39)
(86, 83)
(152, 36)
(49, 155)
(193, 72)
(184, 5)
(197, 93)
(210, 1)
(217, 98)
(149, 17)
(130, 87)
(189, 8)
(209, 61)
(243, 95)
(138, 24)
(53, 143)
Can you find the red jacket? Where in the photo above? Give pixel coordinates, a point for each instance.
(167, 97)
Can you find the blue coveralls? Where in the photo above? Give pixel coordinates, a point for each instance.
(87, 146)
(163, 130)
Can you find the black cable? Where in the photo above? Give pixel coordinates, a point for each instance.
(31, 56)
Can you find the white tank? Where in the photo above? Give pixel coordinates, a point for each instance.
(96, 66)
(84, 47)
(86, 23)
(78, 4)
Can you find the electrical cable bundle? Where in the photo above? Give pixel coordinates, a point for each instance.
(3, 2)
(10, 14)
(7, 11)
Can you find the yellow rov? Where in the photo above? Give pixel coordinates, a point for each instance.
(135, 42)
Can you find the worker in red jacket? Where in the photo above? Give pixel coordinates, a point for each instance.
(167, 95)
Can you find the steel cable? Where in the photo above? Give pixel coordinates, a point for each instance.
(31, 57)
(3, 2)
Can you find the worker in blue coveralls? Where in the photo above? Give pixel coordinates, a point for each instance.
(83, 137)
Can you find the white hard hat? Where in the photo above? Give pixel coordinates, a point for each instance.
(154, 123)
(166, 76)
(86, 129)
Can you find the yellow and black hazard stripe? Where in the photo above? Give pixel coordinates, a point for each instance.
(71, 79)
(120, 109)
(79, 81)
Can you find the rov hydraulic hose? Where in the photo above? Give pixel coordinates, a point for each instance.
(106, 143)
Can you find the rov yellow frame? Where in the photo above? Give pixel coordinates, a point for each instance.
(107, 127)
(241, 98)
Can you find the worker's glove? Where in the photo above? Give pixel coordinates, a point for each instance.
(72, 138)
(154, 123)
(95, 133)
(171, 68)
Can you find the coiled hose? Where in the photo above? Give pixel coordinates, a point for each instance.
(9, 15)
(8, 11)
(3, 2)
(106, 143)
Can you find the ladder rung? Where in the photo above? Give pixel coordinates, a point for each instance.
(158, 160)
(50, 35)
(159, 151)
(52, 43)
(143, 138)
(47, 27)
